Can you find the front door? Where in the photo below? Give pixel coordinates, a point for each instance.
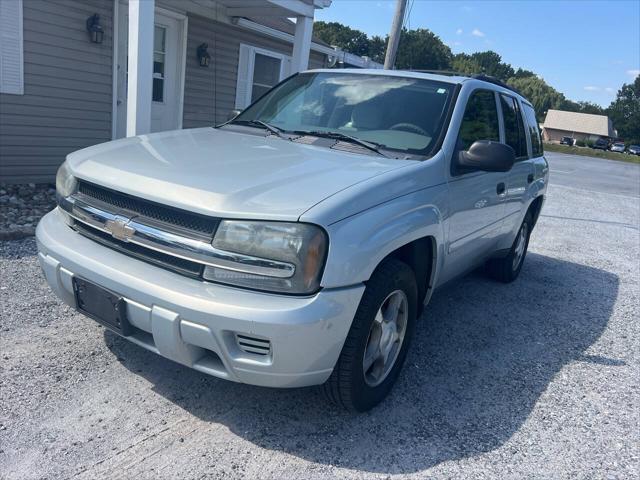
(476, 199)
(168, 73)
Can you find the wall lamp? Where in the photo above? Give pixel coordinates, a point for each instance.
(203, 55)
(96, 32)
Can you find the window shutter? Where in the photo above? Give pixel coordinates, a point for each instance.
(11, 61)
(243, 84)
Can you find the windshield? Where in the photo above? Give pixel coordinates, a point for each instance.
(395, 113)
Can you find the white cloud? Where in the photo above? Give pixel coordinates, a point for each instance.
(477, 33)
(609, 89)
(457, 44)
(591, 88)
(459, 31)
(633, 73)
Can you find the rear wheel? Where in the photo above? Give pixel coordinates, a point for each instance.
(508, 268)
(377, 343)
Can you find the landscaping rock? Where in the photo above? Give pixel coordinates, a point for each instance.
(22, 206)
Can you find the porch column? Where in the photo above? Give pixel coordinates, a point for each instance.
(140, 68)
(302, 44)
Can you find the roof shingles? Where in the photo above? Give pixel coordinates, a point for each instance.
(579, 122)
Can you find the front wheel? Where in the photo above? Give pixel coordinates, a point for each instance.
(508, 268)
(377, 343)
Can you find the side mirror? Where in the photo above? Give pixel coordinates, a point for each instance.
(233, 114)
(487, 156)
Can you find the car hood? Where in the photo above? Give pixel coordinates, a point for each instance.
(226, 173)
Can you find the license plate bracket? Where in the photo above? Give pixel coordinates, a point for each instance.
(102, 305)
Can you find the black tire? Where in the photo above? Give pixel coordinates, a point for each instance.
(506, 269)
(347, 387)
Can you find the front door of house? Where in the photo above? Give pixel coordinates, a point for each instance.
(167, 71)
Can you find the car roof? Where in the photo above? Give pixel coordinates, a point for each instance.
(444, 78)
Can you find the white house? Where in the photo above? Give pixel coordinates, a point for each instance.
(74, 73)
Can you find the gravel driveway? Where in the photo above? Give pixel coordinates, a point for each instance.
(535, 379)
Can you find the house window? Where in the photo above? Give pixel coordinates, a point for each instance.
(159, 54)
(11, 55)
(258, 70)
(266, 73)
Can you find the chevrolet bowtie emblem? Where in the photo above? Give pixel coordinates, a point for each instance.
(119, 228)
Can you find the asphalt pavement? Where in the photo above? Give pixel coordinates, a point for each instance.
(536, 379)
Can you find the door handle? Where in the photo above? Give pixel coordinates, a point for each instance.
(530, 178)
(501, 189)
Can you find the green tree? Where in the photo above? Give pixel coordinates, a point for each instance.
(624, 112)
(582, 107)
(540, 94)
(377, 48)
(463, 63)
(489, 63)
(343, 37)
(421, 49)
(522, 73)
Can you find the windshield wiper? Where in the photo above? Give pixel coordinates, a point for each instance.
(374, 147)
(260, 124)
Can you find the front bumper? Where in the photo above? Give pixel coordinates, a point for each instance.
(195, 323)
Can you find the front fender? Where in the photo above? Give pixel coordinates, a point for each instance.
(359, 243)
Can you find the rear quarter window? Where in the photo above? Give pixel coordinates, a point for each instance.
(534, 130)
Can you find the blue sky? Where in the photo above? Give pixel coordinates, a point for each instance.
(584, 48)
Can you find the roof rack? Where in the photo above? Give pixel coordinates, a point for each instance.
(476, 76)
(450, 73)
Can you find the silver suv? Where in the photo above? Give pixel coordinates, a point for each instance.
(299, 243)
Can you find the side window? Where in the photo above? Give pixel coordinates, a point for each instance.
(534, 130)
(480, 121)
(513, 126)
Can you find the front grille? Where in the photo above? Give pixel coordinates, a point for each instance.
(179, 265)
(254, 345)
(146, 208)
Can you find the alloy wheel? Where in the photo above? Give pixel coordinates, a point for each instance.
(385, 338)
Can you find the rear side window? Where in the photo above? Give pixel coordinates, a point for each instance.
(534, 131)
(480, 121)
(513, 126)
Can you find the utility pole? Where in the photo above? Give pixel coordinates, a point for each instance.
(394, 35)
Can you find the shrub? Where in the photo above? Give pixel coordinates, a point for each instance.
(580, 143)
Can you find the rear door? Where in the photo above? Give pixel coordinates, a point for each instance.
(520, 177)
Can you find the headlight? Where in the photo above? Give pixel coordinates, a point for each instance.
(273, 256)
(65, 182)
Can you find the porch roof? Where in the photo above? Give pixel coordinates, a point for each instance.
(141, 48)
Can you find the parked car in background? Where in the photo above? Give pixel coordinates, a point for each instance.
(617, 147)
(298, 243)
(600, 144)
(566, 141)
(633, 149)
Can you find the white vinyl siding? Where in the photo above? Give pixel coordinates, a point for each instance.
(11, 56)
(251, 84)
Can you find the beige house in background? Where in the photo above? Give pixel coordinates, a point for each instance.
(579, 126)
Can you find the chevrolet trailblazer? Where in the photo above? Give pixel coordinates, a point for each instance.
(298, 243)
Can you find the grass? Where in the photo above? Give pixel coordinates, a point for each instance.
(590, 152)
